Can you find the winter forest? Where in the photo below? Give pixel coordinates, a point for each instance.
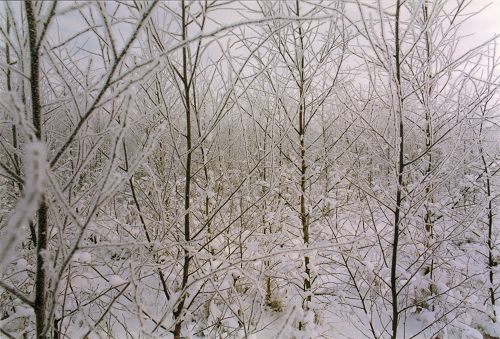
(249, 169)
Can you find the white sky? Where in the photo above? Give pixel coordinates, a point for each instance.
(487, 23)
(484, 25)
(479, 28)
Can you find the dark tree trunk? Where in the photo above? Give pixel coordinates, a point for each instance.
(42, 213)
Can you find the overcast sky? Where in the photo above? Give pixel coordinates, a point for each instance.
(487, 23)
(480, 28)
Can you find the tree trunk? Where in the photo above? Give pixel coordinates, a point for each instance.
(399, 173)
(187, 188)
(42, 213)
